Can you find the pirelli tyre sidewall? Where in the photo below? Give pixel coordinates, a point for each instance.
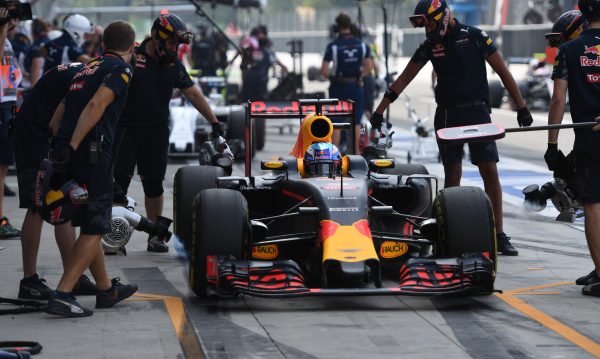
(190, 180)
(466, 223)
(221, 228)
(496, 93)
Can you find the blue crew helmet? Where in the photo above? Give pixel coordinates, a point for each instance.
(322, 159)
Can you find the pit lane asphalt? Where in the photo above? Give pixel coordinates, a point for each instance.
(540, 314)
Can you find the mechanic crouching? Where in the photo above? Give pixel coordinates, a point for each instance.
(142, 136)
(458, 53)
(83, 146)
(576, 71)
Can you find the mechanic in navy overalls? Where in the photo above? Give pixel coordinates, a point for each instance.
(67, 48)
(352, 60)
(576, 72)
(458, 53)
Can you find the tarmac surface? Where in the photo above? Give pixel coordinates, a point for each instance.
(541, 312)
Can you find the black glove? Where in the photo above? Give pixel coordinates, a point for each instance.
(217, 129)
(376, 120)
(551, 156)
(524, 117)
(61, 161)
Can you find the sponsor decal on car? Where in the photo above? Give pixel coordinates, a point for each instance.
(383, 163)
(273, 164)
(392, 249)
(266, 251)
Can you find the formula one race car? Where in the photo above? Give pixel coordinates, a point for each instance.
(337, 226)
(189, 129)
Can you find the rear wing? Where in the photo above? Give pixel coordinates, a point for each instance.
(332, 108)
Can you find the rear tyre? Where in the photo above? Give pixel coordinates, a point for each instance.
(190, 180)
(466, 223)
(261, 133)
(221, 228)
(406, 169)
(496, 93)
(524, 90)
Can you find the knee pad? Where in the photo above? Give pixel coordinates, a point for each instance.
(152, 188)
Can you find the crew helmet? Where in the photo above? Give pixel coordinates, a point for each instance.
(322, 159)
(428, 11)
(590, 9)
(77, 26)
(165, 27)
(57, 206)
(566, 28)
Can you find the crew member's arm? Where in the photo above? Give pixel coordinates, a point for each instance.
(327, 58)
(3, 27)
(194, 95)
(557, 108)
(37, 65)
(410, 72)
(497, 63)
(57, 117)
(367, 66)
(84, 59)
(91, 114)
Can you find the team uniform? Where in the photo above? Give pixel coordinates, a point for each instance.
(578, 62)
(347, 54)
(256, 77)
(62, 50)
(94, 169)
(143, 132)
(462, 91)
(31, 126)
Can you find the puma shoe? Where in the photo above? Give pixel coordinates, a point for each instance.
(65, 305)
(156, 245)
(34, 287)
(116, 293)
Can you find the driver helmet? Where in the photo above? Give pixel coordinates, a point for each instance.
(77, 26)
(430, 12)
(566, 28)
(57, 206)
(322, 159)
(164, 28)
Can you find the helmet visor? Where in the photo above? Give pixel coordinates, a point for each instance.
(418, 20)
(323, 169)
(554, 39)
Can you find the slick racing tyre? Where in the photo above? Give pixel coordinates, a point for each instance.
(496, 93)
(261, 133)
(524, 90)
(221, 228)
(190, 180)
(405, 169)
(466, 223)
(236, 126)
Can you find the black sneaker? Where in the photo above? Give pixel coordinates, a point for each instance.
(66, 307)
(586, 279)
(504, 246)
(116, 293)
(593, 288)
(156, 245)
(85, 286)
(34, 287)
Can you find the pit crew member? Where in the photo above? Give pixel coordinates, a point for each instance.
(142, 136)
(576, 70)
(351, 60)
(458, 53)
(83, 148)
(67, 48)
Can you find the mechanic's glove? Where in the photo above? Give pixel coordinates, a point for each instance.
(61, 161)
(524, 117)
(597, 127)
(217, 129)
(551, 156)
(376, 120)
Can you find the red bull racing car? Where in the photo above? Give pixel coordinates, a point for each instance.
(352, 228)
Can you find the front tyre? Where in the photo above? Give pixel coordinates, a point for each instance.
(221, 228)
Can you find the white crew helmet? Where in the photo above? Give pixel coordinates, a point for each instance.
(77, 26)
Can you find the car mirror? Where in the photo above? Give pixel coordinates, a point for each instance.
(274, 165)
(381, 163)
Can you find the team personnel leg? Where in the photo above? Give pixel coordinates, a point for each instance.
(592, 235)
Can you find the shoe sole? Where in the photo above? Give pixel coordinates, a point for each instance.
(157, 250)
(49, 310)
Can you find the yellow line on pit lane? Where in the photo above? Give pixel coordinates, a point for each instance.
(549, 322)
(181, 323)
